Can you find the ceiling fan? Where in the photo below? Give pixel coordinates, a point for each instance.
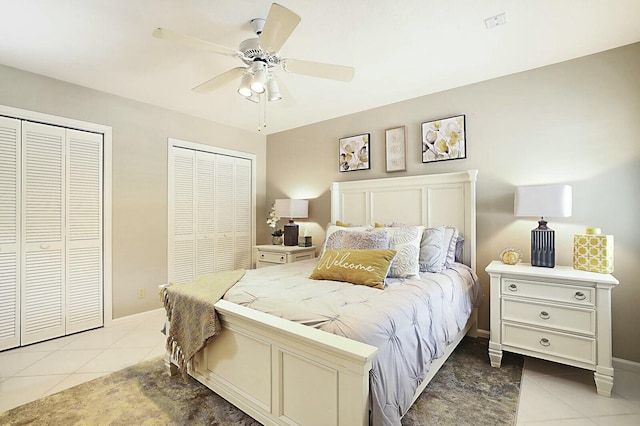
(261, 56)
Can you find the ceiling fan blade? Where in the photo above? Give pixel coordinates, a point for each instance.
(278, 27)
(166, 34)
(219, 80)
(318, 69)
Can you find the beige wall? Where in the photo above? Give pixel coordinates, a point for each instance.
(575, 122)
(140, 133)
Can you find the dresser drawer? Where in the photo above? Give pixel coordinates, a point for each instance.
(578, 295)
(566, 318)
(576, 348)
(296, 257)
(272, 257)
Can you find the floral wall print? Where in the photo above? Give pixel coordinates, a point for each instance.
(354, 153)
(396, 149)
(444, 139)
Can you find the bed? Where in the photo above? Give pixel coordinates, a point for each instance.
(282, 372)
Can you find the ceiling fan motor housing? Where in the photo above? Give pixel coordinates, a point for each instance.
(252, 51)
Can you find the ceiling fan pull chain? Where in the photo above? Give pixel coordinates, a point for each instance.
(265, 111)
(259, 111)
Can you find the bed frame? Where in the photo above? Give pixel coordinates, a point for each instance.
(283, 373)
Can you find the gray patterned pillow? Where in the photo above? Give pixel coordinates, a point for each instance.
(406, 241)
(365, 240)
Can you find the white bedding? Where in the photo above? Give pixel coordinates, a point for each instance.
(410, 322)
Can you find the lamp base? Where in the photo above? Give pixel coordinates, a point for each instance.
(291, 233)
(543, 249)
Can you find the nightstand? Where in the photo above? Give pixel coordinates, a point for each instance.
(559, 314)
(269, 255)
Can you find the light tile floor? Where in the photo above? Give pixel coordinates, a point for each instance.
(551, 394)
(41, 369)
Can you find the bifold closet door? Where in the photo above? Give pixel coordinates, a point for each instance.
(83, 267)
(42, 265)
(181, 215)
(210, 203)
(9, 232)
(233, 213)
(61, 268)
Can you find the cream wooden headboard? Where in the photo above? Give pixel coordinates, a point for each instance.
(429, 200)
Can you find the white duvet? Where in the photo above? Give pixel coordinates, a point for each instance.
(411, 321)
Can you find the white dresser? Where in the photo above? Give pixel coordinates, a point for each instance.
(269, 255)
(559, 314)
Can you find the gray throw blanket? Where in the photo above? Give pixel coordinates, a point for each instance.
(191, 313)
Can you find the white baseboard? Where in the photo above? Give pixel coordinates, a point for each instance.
(139, 315)
(626, 365)
(485, 334)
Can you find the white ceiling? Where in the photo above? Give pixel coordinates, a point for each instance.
(400, 49)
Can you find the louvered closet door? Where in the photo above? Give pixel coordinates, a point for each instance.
(84, 272)
(205, 220)
(224, 213)
(242, 213)
(43, 292)
(9, 233)
(182, 216)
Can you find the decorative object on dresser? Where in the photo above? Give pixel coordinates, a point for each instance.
(353, 153)
(396, 149)
(272, 221)
(543, 201)
(269, 255)
(510, 256)
(444, 139)
(558, 314)
(293, 209)
(593, 252)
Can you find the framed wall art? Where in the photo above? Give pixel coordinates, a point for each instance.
(354, 153)
(396, 149)
(444, 139)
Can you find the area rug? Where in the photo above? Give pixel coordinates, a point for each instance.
(466, 391)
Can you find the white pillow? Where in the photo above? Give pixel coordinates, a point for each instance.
(406, 241)
(334, 233)
(365, 240)
(431, 249)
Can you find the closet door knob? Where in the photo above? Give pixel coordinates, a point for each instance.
(44, 246)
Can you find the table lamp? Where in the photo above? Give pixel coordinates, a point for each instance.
(543, 201)
(292, 209)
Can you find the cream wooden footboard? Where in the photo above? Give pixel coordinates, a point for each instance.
(283, 373)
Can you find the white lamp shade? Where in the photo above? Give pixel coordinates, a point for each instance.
(292, 208)
(543, 201)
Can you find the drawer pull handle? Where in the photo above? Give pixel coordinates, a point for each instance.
(545, 342)
(580, 295)
(545, 315)
(513, 287)
(262, 256)
(282, 258)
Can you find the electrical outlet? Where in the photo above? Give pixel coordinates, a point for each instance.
(141, 293)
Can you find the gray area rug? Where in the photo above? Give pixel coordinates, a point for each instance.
(466, 391)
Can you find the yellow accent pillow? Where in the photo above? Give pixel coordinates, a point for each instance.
(364, 267)
(380, 225)
(344, 225)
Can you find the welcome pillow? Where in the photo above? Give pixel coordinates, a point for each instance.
(363, 267)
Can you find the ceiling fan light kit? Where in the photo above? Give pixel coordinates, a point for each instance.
(261, 55)
(245, 85)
